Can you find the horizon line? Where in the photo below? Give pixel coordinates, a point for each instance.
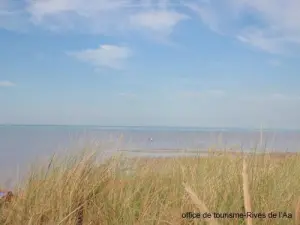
(148, 126)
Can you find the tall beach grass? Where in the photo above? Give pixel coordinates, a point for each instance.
(147, 191)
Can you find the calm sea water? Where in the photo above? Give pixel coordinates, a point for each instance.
(22, 145)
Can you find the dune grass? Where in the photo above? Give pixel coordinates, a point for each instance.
(78, 190)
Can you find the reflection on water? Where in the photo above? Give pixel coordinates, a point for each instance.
(21, 145)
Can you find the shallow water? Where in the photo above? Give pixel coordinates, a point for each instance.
(22, 145)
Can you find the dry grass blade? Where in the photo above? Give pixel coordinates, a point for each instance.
(74, 211)
(49, 165)
(247, 198)
(297, 212)
(201, 206)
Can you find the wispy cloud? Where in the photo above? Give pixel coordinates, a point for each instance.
(6, 83)
(105, 16)
(267, 25)
(160, 21)
(109, 56)
(207, 15)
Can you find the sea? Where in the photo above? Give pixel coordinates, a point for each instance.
(24, 145)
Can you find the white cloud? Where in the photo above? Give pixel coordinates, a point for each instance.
(159, 21)
(256, 38)
(207, 15)
(269, 25)
(110, 56)
(6, 83)
(104, 16)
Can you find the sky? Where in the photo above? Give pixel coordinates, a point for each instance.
(207, 63)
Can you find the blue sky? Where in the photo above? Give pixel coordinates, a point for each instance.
(208, 63)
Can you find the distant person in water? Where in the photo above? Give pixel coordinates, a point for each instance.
(150, 139)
